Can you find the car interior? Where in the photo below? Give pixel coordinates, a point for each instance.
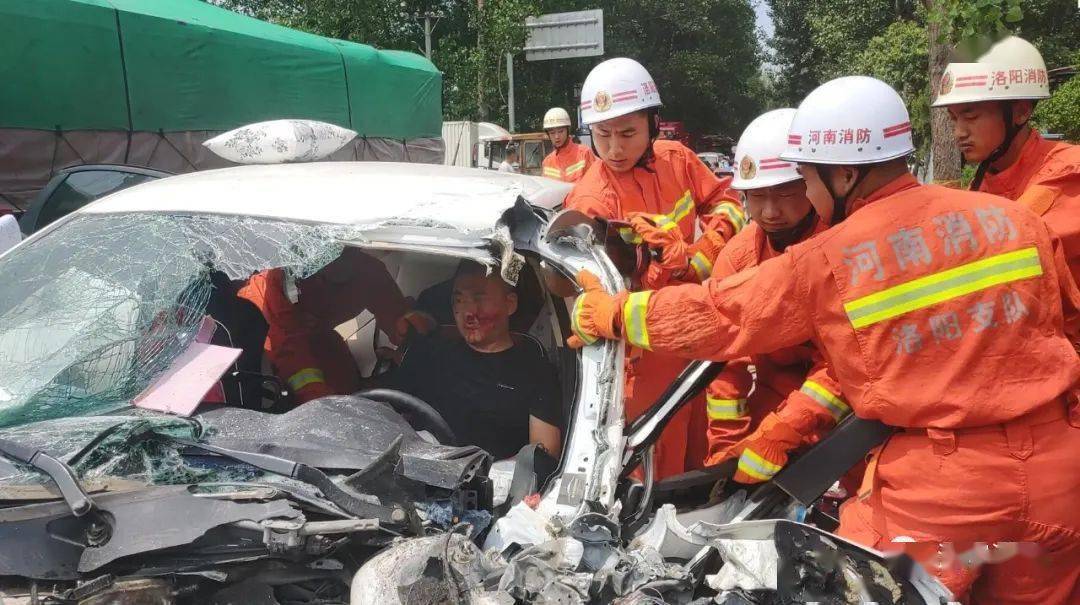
(541, 321)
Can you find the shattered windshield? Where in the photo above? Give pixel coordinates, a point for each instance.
(92, 312)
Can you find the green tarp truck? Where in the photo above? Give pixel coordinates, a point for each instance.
(146, 82)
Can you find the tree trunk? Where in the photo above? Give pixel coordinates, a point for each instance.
(946, 166)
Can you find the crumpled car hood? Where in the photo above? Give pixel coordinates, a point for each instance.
(334, 433)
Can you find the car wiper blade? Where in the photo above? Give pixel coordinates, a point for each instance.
(61, 474)
(390, 515)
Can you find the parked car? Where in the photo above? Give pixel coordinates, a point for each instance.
(74, 187)
(356, 499)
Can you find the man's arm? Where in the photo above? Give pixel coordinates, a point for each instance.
(547, 435)
(545, 411)
(762, 309)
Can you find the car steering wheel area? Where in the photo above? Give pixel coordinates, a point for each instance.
(417, 412)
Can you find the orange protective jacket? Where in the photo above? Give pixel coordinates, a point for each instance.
(674, 182)
(796, 380)
(945, 313)
(926, 305)
(570, 163)
(306, 351)
(1046, 179)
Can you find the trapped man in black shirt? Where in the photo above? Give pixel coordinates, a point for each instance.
(495, 393)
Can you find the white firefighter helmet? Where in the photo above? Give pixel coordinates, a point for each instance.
(1011, 70)
(556, 117)
(849, 121)
(757, 156)
(615, 88)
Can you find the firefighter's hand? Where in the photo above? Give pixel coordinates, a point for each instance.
(595, 313)
(765, 452)
(664, 236)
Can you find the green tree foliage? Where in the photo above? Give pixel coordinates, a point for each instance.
(1061, 113)
(793, 56)
(703, 53)
(899, 57)
(817, 40)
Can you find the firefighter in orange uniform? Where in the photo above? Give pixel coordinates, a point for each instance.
(306, 351)
(570, 160)
(663, 189)
(794, 397)
(943, 313)
(990, 101)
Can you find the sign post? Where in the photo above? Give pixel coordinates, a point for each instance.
(559, 36)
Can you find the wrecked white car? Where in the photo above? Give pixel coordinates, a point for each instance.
(356, 499)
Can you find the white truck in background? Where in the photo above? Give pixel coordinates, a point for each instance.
(466, 143)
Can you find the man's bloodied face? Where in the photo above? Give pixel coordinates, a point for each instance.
(482, 307)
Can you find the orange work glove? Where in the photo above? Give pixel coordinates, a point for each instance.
(662, 234)
(596, 313)
(702, 253)
(765, 452)
(417, 321)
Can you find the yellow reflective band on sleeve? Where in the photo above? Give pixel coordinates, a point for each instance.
(836, 406)
(575, 322)
(572, 168)
(734, 214)
(725, 409)
(750, 463)
(305, 377)
(552, 172)
(664, 222)
(702, 265)
(630, 236)
(637, 333)
(945, 285)
(682, 207)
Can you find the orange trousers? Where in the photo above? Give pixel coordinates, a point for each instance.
(682, 445)
(945, 490)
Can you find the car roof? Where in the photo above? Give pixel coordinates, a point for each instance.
(369, 194)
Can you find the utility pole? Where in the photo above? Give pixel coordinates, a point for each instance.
(481, 111)
(427, 36)
(429, 28)
(510, 82)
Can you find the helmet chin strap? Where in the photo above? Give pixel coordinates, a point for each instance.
(1011, 130)
(840, 202)
(780, 240)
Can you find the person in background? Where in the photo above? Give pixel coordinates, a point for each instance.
(991, 101)
(510, 160)
(570, 160)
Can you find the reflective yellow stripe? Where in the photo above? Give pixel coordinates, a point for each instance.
(682, 207)
(548, 171)
(702, 265)
(305, 377)
(664, 222)
(575, 322)
(734, 214)
(637, 333)
(572, 168)
(750, 463)
(629, 236)
(943, 286)
(725, 409)
(836, 406)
